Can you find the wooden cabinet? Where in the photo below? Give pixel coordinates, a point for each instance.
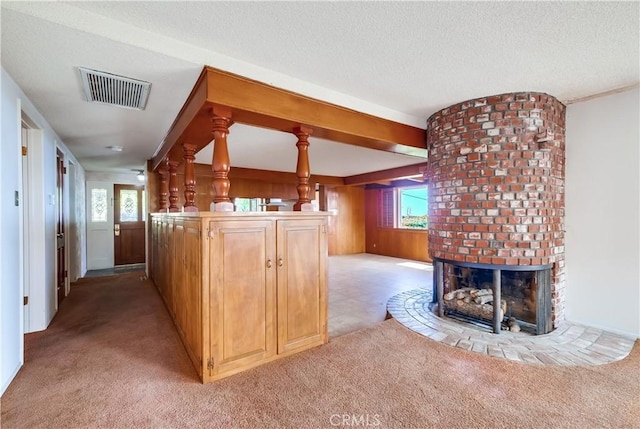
(243, 289)
(302, 282)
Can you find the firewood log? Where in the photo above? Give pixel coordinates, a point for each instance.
(483, 299)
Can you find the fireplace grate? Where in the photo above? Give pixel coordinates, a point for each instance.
(517, 296)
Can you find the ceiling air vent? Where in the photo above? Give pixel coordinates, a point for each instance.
(107, 88)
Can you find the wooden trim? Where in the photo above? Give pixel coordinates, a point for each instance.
(258, 104)
(601, 94)
(387, 175)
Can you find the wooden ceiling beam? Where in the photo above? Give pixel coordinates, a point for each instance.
(258, 104)
(406, 172)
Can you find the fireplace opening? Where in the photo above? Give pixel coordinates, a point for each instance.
(514, 298)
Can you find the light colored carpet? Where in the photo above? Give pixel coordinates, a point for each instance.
(112, 359)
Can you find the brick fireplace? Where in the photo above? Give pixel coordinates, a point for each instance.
(496, 196)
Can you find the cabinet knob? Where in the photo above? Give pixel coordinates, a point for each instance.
(280, 262)
(269, 263)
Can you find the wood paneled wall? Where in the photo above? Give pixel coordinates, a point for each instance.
(399, 243)
(347, 223)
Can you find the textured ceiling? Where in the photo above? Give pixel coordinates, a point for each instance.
(398, 60)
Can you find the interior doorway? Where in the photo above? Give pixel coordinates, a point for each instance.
(26, 277)
(73, 238)
(129, 224)
(60, 229)
(36, 284)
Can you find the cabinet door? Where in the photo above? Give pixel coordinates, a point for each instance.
(192, 293)
(242, 294)
(167, 290)
(155, 249)
(302, 296)
(178, 306)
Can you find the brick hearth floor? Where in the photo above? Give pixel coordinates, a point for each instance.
(569, 344)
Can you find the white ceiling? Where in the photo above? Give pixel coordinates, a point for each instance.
(328, 158)
(398, 60)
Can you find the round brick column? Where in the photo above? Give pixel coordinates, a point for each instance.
(496, 183)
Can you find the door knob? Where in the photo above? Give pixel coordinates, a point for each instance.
(280, 262)
(269, 263)
(116, 229)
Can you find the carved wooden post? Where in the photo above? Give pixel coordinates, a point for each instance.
(164, 186)
(303, 170)
(189, 178)
(173, 186)
(221, 119)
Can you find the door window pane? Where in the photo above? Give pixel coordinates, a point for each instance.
(128, 205)
(144, 206)
(98, 205)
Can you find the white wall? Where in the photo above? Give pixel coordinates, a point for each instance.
(78, 231)
(42, 298)
(11, 318)
(602, 213)
(112, 177)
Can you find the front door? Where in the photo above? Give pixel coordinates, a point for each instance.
(128, 228)
(60, 257)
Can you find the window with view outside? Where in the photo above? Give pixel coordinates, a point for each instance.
(412, 205)
(247, 204)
